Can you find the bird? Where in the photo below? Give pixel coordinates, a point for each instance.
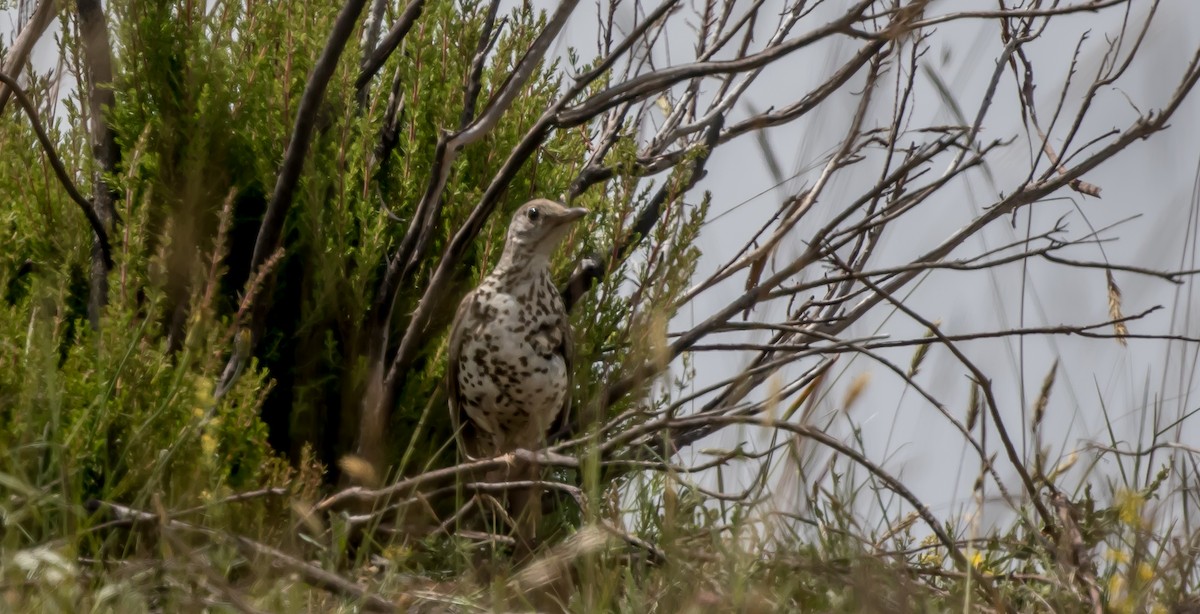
(508, 377)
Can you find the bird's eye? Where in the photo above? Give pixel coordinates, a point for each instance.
(533, 214)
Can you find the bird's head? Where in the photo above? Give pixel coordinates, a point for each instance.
(538, 226)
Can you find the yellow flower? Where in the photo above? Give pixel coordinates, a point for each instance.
(1145, 573)
(208, 443)
(203, 394)
(397, 553)
(1129, 507)
(1116, 584)
(1118, 601)
(932, 556)
(1117, 556)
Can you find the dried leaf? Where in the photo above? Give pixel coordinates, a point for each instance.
(1039, 406)
(1062, 467)
(973, 406)
(656, 339)
(752, 279)
(857, 386)
(664, 105)
(311, 520)
(902, 526)
(807, 393)
(557, 561)
(359, 470)
(1114, 308)
(922, 350)
(900, 27)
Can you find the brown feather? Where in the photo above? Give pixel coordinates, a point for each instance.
(465, 431)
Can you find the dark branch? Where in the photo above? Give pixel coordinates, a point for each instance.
(649, 84)
(585, 277)
(270, 231)
(98, 57)
(394, 37)
(60, 171)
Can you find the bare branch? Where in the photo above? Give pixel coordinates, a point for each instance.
(651, 83)
(60, 171)
(18, 54)
(98, 56)
(389, 44)
(311, 574)
(297, 150)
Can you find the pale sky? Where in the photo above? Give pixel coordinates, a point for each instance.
(1152, 180)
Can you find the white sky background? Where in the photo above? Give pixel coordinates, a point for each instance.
(1151, 179)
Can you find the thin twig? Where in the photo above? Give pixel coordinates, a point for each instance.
(311, 574)
(60, 171)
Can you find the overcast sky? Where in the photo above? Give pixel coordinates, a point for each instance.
(1152, 180)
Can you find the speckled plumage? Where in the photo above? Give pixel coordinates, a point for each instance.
(509, 372)
(513, 361)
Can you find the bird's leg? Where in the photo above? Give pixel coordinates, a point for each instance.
(500, 519)
(525, 505)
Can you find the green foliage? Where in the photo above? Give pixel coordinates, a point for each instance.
(205, 101)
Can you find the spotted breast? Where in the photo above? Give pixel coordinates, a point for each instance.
(512, 368)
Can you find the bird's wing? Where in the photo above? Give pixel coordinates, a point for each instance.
(562, 427)
(464, 428)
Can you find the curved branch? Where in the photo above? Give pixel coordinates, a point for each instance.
(31, 32)
(651, 164)
(439, 477)
(658, 81)
(311, 574)
(1093, 7)
(59, 170)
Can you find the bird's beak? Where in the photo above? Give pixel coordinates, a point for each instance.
(570, 215)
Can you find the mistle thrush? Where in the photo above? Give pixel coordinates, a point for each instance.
(509, 375)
